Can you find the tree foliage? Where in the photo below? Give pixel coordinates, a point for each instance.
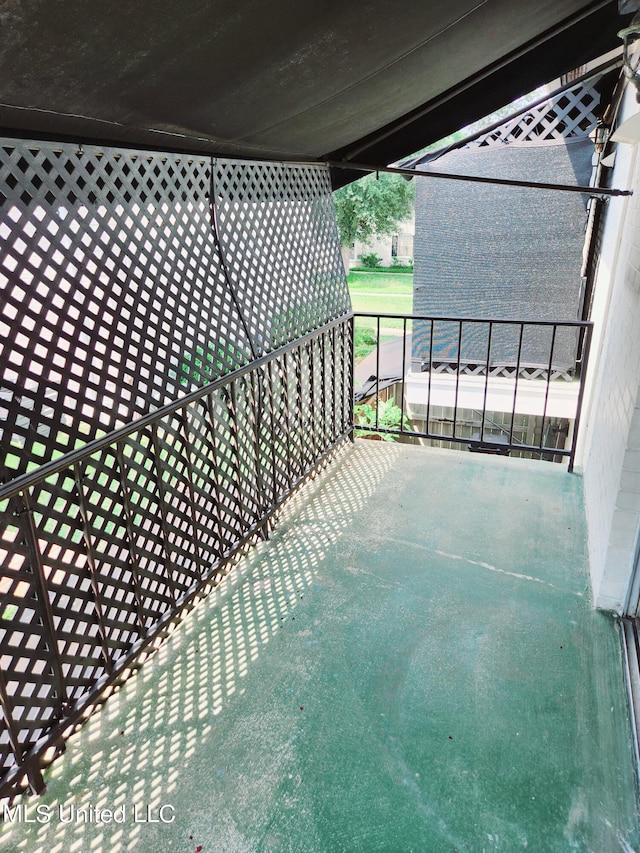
(372, 205)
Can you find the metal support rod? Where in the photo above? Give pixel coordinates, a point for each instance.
(596, 192)
(333, 383)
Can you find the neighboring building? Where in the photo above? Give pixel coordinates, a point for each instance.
(510, 252)
(392, 249)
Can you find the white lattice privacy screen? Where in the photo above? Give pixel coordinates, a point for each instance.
(200, 309)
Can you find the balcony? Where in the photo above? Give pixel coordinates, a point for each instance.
(408, 657)
(411, 662)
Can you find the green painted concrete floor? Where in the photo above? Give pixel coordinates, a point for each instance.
(411, 663)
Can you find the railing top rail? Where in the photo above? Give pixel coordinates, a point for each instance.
(25, 481)
(579, 324)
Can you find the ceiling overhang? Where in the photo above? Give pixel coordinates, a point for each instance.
(369, 82)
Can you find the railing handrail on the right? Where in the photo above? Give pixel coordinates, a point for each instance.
(458, 364)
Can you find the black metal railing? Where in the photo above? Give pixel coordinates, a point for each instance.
(104, 548)
(494, 385)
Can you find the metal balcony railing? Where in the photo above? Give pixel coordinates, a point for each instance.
(495, 385)
(105, 547)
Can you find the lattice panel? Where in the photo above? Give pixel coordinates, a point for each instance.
(110, 546)
(177, 505)
(572, 114)
(64, 560)
(213, 516)
(149, 545)
(94, 557)
(279, 241)
(115, 297)
(123, 289)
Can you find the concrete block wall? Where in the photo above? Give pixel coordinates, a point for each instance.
(610, 448)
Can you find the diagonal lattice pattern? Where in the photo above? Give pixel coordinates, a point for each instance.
(570, 115)
(124, 285)
(276, 225)
(130, 279)
(97, 556)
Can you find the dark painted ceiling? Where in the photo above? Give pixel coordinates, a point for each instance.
(288, 79)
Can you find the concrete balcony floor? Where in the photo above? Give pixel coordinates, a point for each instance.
(411, 663)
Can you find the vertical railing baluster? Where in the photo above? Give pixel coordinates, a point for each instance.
(34, 774)
(133, 555)
(310, 407)
(235, 446)
(404, 371)
(455, 399)
(486, 383)
(546, 393)
(272, 437)
(160, 473)
(299, 407)
(348, 388)
(334, 376)
(183, 424)
(257, 412)
(377, 370)
(42, 591)
(78, 472)
(217, 497)
(323, 392)
(429, 375)
(287, 404)
(515, 384)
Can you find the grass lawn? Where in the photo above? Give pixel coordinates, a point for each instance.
(365, 341)
(380, 282)
(379, 292)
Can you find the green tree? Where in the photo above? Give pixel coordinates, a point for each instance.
(372, 205)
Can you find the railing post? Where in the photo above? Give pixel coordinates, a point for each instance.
(351, 386)
(583, 377)
(404, 371)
